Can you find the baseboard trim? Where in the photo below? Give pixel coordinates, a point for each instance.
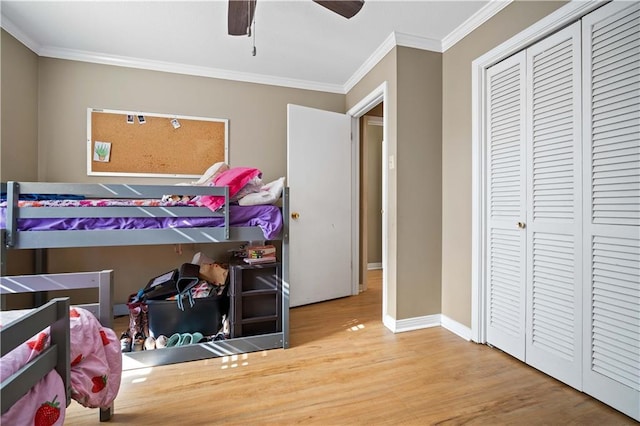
(456, 328)
(427, 321)
(417, 323)
(373, 266)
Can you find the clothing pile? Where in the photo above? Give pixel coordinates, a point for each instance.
(185, 306)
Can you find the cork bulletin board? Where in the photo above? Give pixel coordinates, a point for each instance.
(125, 143)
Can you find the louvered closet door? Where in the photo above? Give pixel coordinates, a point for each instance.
(505, 206)
(554, 207)
(611, 62)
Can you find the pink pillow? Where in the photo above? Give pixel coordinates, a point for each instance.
(235, 178)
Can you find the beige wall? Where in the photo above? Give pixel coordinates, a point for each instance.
(18, 135)
(418, 164)
(370, 155)
(414, 131)
(374, 192)
(257, 113)
(257, 129)
(385, 71)
(456, 147)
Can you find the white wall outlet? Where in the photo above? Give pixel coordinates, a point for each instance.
(392, 162)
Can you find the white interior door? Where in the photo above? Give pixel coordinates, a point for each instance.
(506, 260)
(611, 54)
(319, 178)
(554, 207)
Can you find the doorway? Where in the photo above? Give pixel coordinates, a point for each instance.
(376, 99)
(371, 139)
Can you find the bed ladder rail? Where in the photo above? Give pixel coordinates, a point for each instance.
(56, 356)
(3, 255)
(11, 220)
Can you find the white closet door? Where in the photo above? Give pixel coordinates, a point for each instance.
(505, 206)
(554, 207)
(611, 60)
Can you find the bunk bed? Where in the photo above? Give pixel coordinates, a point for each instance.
(172, 224)
(39, 372)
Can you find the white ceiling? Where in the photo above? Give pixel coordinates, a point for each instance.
(299, 43)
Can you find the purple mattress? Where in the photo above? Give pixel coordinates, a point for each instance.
(267, 217)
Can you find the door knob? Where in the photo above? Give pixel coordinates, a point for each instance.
(295, 215)
(521, 225)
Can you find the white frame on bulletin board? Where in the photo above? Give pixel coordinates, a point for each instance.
(136, 114)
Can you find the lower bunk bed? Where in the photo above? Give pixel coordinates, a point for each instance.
(96, 215)
(58, 352)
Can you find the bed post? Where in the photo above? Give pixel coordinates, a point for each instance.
(3, 266)
(105, 297)
(11, 221)
(226, 212)
(105, 315)
(61, 336)
(40, 267)
(285, 269)
(3, 248)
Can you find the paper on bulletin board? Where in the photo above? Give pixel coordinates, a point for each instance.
(102, 151)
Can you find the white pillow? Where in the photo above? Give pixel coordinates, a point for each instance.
(275, 188)
(211, 173)
(269, 194)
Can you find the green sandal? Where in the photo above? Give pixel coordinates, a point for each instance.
(196, 338)
(173, 340)
(185, 339)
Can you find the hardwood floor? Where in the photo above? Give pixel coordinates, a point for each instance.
(345, 368)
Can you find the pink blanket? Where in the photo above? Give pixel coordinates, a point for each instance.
(96, 370)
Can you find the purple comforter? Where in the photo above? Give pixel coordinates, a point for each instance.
(267, 217)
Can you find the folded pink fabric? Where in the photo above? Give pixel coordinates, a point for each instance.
(235, 178)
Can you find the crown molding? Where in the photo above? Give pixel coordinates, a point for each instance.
(422, 43)
(478, 18)
(176, 68)
(12, 29)
(387, 45)
(394, 39)
(407, 40)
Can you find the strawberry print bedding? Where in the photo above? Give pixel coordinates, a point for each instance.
(96, 370)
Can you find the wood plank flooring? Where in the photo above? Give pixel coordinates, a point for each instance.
(345, 368)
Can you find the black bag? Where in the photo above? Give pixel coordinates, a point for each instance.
(178, 281)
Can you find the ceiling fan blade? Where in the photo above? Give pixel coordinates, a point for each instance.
(346, 8)
(240, 16)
